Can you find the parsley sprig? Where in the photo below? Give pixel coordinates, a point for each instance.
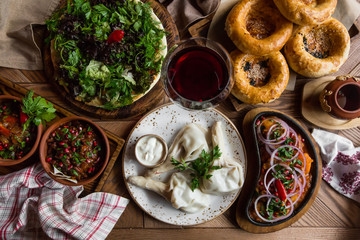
(200, 167)
(37, 109)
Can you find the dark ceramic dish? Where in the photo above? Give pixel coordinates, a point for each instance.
(314, 166)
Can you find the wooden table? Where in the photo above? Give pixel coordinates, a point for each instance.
(332, 216)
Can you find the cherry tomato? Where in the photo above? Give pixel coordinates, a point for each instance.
(115, 36)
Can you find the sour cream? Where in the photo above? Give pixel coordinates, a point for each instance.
(150, 150)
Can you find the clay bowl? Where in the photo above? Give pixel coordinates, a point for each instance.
(314, 171)
(39, 129)
(341, 98)
(104, 142)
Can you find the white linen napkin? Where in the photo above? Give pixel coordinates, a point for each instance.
(341, 163)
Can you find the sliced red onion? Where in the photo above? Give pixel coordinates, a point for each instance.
(256, 210)
(273, 141)
(273, 155)
(300, 192)
(272, 147)
(268, 185)
(302, 175)
(297, 140)
(275, 219)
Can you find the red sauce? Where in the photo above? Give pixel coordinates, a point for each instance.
(75, 149)
(14, 142)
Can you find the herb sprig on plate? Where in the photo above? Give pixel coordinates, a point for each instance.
(200, 167)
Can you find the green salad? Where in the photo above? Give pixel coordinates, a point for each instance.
(107, 53)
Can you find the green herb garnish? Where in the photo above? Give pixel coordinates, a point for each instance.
(200, 167)
(37, 109)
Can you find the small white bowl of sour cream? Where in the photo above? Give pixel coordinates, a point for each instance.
(151, 150)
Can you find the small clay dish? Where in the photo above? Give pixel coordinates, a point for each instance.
(90, 167)
(341, 98)
(34, 141)
(152, 147)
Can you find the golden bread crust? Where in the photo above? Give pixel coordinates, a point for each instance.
(306, 12)
(245, 91)
(332, 36)
(237, 27)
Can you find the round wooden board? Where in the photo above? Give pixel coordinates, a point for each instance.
(312, 111)
(251, 177)
(140, 106)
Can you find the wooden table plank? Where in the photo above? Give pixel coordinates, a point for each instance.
(196, 234)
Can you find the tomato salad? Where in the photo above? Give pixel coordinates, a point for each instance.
(285, 172)
(15, 140)
(75, 150)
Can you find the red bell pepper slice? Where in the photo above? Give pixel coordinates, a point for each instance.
(23, 117)
(280, 189)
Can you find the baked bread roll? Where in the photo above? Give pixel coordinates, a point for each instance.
(257, 27)
(306, 12)
(315, 51)
(259, 79)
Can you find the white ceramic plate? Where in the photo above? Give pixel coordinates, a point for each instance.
(166, 121)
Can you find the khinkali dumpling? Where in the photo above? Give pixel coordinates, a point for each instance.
(187, 145)
(177, 191)
(230, 177)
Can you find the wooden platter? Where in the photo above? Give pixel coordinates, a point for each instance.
(312, 111)
(253, 174)
(140, 106)
(116, 143)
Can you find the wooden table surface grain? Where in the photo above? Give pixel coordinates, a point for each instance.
(332, 216)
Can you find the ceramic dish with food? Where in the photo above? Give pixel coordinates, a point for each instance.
(106, 54)
(170, 192)
(306, 12)
(259, 79)
(17, 143)
(74, 151)
(257, 27)
(315, 51)
(288, 173)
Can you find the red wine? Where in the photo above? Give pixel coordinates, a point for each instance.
(198, 73)
(348, 97)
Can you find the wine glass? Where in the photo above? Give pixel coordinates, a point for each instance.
(197, 74)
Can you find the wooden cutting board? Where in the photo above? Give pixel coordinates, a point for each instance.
(140, 106)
